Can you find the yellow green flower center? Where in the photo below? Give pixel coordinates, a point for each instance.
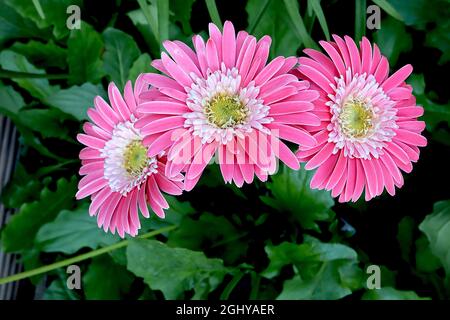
(225, 111)
(356, 119)
(135, 158)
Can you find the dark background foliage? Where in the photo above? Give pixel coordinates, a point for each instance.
(264, 241)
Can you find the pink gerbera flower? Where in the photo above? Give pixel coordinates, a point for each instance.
(224, 99)
(119, 176)
(370, 129)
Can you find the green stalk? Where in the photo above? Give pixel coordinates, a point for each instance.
(231, 285)
(81, 257)
(315, 4)
(256, 279)
(360, 19)
(214, 13)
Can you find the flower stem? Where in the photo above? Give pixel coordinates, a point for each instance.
(214, 13)
(360, 19)
(81, 257)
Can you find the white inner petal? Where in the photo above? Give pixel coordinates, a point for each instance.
(115, 167)
(224, 82)
(371, 107)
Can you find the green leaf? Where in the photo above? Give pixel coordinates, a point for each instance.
(141, 65)
(38, 88)
(53, 14)
(76, 100)
(42, 54)
(299, 26)
(323, 270)
(141, 23)
(58, 290)
(106, 280)
(14, 26)
(121, 52)
(174, 270)
(436, 227)
(291, 193)
(182, 13)
(393, 39)
(10, 100)
(310, 251)
(388, 8)
(207, 231)
(27, 137)
(32, 216)
(72, 231)
(389, 293)
(418, 13)
(47, 122)
(268, 17)
(426, 261)
(85, 47)
(434, 113)
(163, 19)
(21, 188)
(149, 12)
(439, 38)
(11, 104)
(177, 210)
(405, 237)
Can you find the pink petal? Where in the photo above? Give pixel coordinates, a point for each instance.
(411, 138)
(267, 73)
(360, 180)
(366, 55)
(161, 81)
(334, 55)
(216, 36)
(175, 71)
(304, 118)
(211, 55)
(163, 124)
(355, 59)
(229, 45)
(338, 171)
(320, 157)
(290, 107)
(155, 193)
(181, 58)
(118, 103)
(293, 134)
(142, 201)
(163, 107)
(397, 78)
(162, 142)
(91, 141)
(167, 185)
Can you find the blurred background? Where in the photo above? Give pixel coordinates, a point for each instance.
(263, 241)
